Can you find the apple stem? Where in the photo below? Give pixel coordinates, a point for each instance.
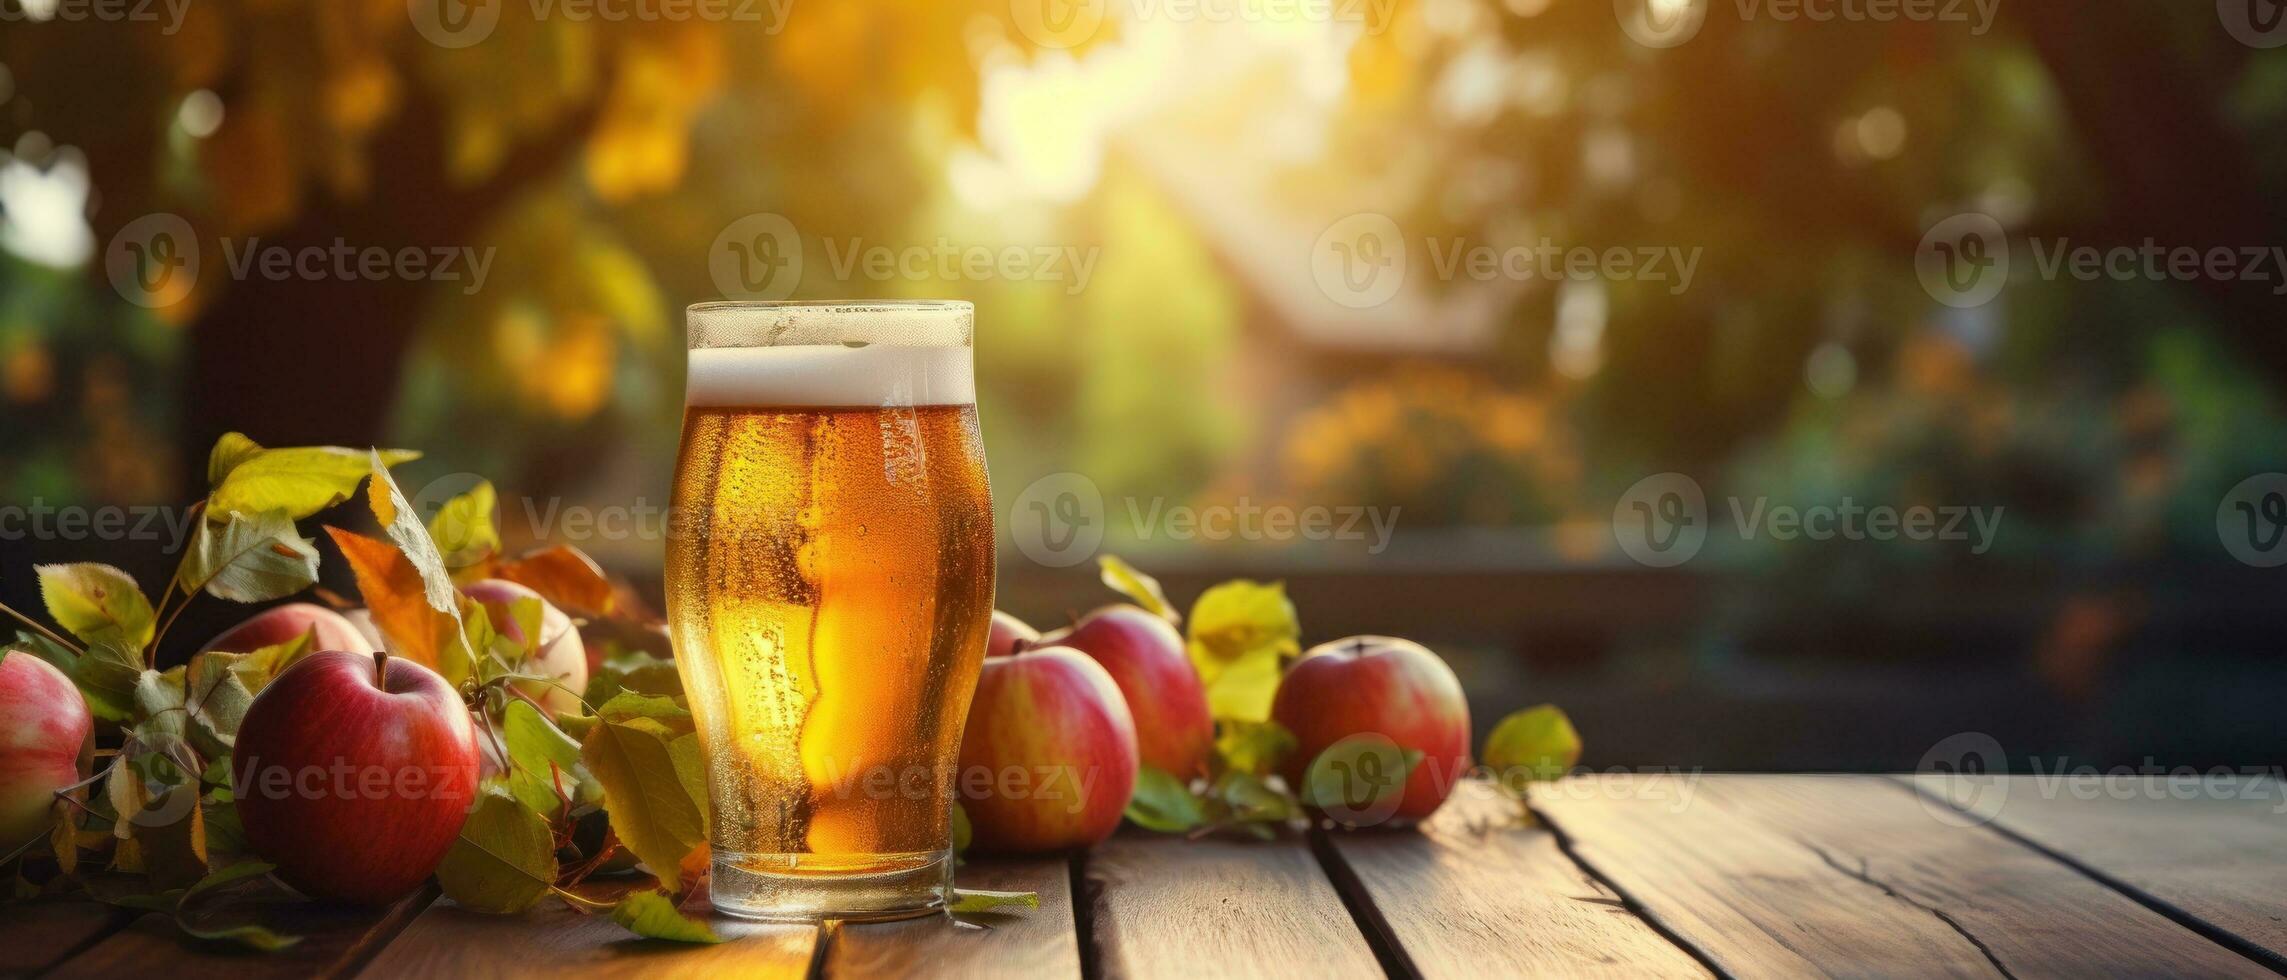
(381, 669)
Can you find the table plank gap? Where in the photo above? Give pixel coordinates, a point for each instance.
(1452, 892)
(1036, 942)
(385, 931)
(1085, 895)
(2191, 865)
(1650, 918)
(36, 936)
(335, 940)
(1809, 875)
(1169, 907)
(558, 942)
(1388, 949)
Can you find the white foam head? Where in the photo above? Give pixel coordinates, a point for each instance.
(886, 355)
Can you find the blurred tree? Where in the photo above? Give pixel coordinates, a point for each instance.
(348, 122)
(1807, 159)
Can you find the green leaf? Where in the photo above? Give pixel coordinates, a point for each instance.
(1163, 803)
(1359, 778)
(225, 835)
(969, 901)
(105, 674)
(403, 527)
(1248, 798)
(229, 451)
(644, 794)
(691, 771)
(173, 902)
(962, 832)
(537, 752)
(161, 706)
(455, 660)
(628, 704)
(97, 603)
(253, 937)
(250, 559)
(1124, 579)
(300, 481)
(164, 904)
(216, 698)
(217, 879)
(653, 915)
(1254, 747)
(258, 668)
(1532, 745)
(637, 671)
(463, 527)
(505, 858)
(1240, 633)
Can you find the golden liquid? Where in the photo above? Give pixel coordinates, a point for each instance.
(829, 586)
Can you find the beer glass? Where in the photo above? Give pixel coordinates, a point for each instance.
(829, 587)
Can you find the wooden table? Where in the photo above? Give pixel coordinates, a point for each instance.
(1666, 875)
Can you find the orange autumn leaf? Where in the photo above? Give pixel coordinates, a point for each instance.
(696, 864)
(393, 594)
(565, 576)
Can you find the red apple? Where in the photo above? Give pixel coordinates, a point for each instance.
(1049, 757)
(1007, 630)
(279, 624)
(47, 739)
(562, 656)
(354, 773)
(1146, 658)
(1381, 685)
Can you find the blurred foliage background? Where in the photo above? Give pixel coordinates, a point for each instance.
(1196, 160)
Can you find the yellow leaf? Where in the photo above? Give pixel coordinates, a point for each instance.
(1538, 743)
(300, 481)
(650, 809)
(1124, 579)
(1241, 632)
(97, 603)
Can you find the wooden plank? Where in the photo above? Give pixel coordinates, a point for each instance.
(1825, 875)
(35, 936)
(555, 942)
(1168, 907)
(335, 939)
(2207, 849)
(1025, 942)
(1479, 891)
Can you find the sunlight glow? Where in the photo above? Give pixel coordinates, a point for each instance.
(1046, 120)
(43, 210)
